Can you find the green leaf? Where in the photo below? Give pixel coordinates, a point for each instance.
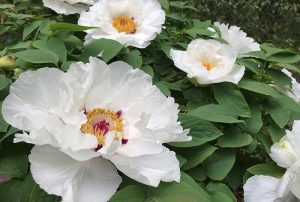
(195, 31)
(13, 162)
(276, 133)
(271, 50)
(201, 131)
(186, 190)
(258, 87)
(288, 103)
(106, 47)
(215, 113)
(267, 169)
(37, 56)
(197, 173)
(164, 4)
(11, 131)
(230, 97)
(133, 58)
(219, 187)
(233, 137)
(279, 77)
(289, 67)
(148, 70)
(3, 81)
(163, 88)
(278, 112)
(58, 47)
(197, 155)
(29, 29)
(288, 58)
(26, 190)
(217, 196)
(252, 65)
(265, 140)
(218, 165)
(68, 26)
(131, 193)
(255, 123)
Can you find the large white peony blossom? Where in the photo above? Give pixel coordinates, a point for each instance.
(237, 39)
(286, 154)
(68, 6)
(209, 61)
(130, 22)
(91, 120)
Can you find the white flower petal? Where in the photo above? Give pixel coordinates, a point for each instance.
(149, 169)
(237, 39)
(95, 180)
(147, 15)
(63, 7)
(283, 154)
(295, 92)
(234, 76)
(262, 189)
(208, 61)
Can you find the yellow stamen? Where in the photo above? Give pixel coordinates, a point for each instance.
(125, 24)
(208, 65)
(114, 120)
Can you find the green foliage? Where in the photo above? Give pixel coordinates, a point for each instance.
(232, 126)
(279, 21)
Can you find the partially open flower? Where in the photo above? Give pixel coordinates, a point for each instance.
(208, 61)
(88, 121)
(68, 6)
(286, 154)
(131, 22)
(237, 39)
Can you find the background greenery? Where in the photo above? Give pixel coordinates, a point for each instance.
(276, 21)
(233, 127)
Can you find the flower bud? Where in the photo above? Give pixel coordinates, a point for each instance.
(7, 63)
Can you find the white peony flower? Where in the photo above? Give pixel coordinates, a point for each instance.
(208, 61)
(295, 93)
(68, 6)
(237, 39)
(88, 121)
(286, 154)
(130, 22)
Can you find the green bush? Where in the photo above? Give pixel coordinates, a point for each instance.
(275, 21)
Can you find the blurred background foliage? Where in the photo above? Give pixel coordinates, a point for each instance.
(273, 21)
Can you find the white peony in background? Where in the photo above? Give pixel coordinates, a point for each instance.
(67, 7)
(130, 22)
(208, 61)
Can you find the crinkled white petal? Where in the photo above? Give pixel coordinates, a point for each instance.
(67, 7)
(149, 169)
(32, 106)
(147, 14)
(263, 189)
(199, 52)
(237, 39)
(291, 180)
(132, 92)
(95, 180)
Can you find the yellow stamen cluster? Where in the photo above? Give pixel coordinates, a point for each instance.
(124, 24)
(208, 65)
(115, 120)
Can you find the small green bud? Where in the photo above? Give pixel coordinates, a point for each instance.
(7, 63)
